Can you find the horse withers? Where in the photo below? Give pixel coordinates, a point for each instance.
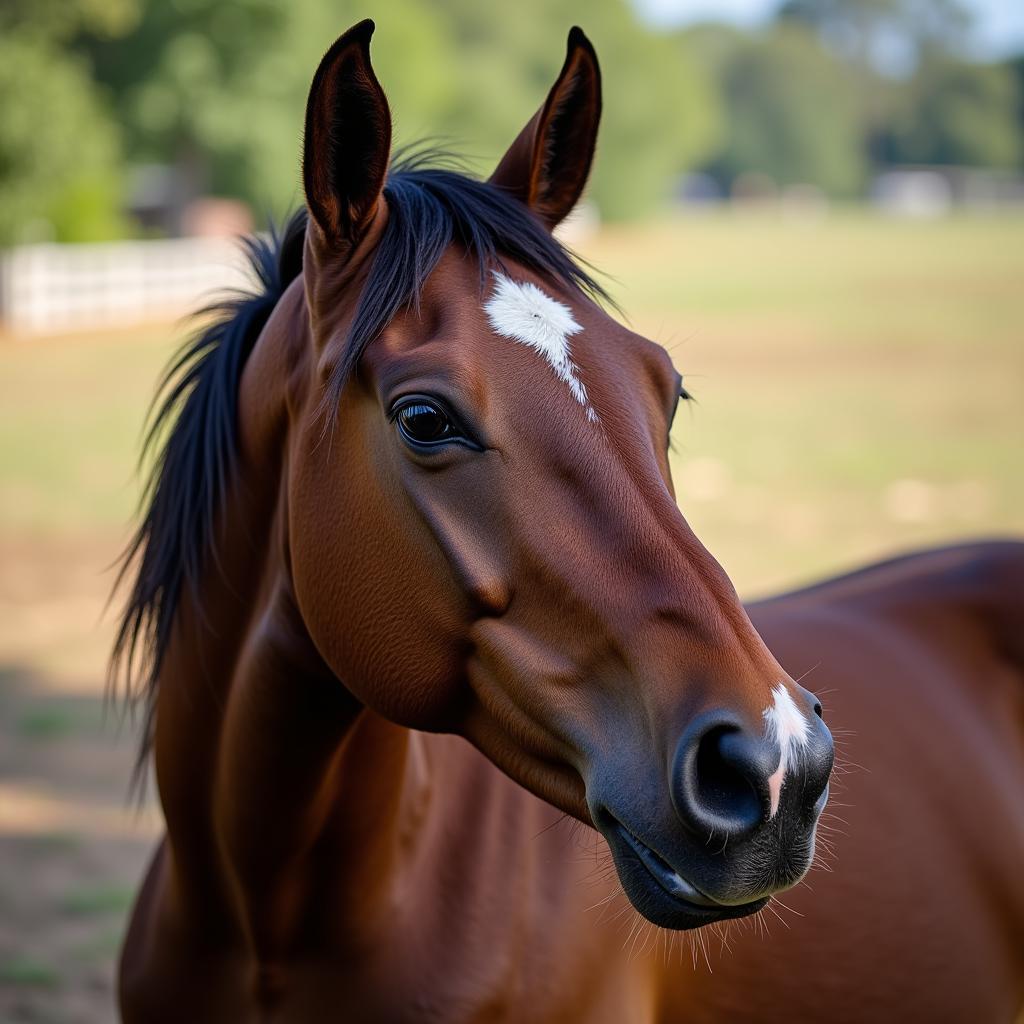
(416, 612)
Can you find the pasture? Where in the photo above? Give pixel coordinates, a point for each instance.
(859, 392)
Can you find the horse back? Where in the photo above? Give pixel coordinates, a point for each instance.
(977, 588)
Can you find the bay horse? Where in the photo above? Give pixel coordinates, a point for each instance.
(441, 685)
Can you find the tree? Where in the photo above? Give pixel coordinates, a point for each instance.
(883, 42)
(962, 114)
(875, 33)
(59, 145)
(1015, 69)
(790, 109)
(220, 89)
(661, 113)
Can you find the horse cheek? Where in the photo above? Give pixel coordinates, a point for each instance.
(375, 596)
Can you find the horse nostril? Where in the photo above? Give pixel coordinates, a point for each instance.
(728, 780)
(720, 778)
(723, 783)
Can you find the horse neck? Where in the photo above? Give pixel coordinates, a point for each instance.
(261, 753)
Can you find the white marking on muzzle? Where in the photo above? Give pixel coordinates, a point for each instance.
(787, 727)
(527, 314)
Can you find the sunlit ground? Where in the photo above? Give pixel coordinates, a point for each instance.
(859, 392)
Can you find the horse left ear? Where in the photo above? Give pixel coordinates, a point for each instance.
(548, 164)
(347, 141)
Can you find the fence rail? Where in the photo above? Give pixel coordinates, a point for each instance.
(52, 288)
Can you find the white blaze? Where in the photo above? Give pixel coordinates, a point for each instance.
(527, 314)
(788, 728)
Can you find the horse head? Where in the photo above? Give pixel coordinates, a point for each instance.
(483, 533)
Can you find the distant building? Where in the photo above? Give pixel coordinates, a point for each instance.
(935, 191)
(166, 202)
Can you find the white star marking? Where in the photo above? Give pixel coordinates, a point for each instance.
(527, 314)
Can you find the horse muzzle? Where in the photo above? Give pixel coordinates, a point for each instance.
(740, 826)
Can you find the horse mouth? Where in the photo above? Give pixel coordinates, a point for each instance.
(664, 874)
(663, 895)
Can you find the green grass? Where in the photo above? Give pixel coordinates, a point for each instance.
(54, 844)
(71, 413)
(858, 380)
(100, 947)
(27, 972)
(97, 900)
(46, 724)
(848, 277)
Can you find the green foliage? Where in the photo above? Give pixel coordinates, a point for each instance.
(662, 117)
(960, 113)
(790, 111)
(59, 154)
(870, 31)
(660, 113)
(218, 91)
(1015, 69)
(58, 20)
(221, 90)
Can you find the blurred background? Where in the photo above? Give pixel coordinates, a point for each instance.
(817, 206)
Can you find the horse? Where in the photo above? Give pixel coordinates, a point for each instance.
(452, 716)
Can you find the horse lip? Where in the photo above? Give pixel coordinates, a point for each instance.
(664, 874)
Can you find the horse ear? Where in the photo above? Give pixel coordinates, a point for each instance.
(348, 139)
(548, 164)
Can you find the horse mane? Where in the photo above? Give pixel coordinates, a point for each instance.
(192, 436)
(193, 430)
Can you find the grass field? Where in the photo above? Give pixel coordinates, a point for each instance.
(859, 385)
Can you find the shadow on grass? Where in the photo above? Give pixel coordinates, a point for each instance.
(73, 848)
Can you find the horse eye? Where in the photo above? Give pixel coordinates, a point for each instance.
(423, 423)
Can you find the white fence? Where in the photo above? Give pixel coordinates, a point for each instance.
(48, 289)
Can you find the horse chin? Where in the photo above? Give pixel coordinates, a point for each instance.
(660, 893)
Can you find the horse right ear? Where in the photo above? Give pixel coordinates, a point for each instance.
(347, 142)
(548, 164)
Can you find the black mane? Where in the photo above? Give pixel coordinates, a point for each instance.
(430, 208)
